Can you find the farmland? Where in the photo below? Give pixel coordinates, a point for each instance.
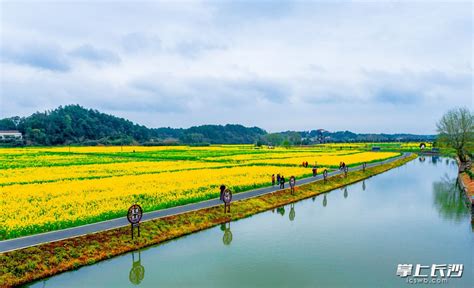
(45, 189)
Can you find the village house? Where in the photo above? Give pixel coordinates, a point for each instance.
(10, 134)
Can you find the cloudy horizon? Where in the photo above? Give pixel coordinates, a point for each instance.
(360, 66)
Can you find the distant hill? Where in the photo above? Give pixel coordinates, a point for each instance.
(74, 124)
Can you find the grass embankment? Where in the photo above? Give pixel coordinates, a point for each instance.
(29, 264)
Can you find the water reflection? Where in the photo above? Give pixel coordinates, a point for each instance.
(435, 159)
(449, 199)
(345, 192)
(227, 237)
(325, 201)
(281, 210)
(363, 185)
(137, 273)
(292, 212)
(421, 158)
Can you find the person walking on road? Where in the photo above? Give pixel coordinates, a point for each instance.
(222, 192)
(282, 182)
(292, 184)
(278, 178)
(273, 179)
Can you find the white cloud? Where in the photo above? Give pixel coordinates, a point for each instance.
(362, 66)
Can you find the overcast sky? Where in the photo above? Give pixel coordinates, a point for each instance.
(359, 66)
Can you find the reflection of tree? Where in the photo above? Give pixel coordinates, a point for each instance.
(137, 273)
(227, 238)
(434, 159)
(281, 210)
(292, 212)
(449, 199)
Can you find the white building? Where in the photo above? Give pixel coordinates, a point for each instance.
(10, 134)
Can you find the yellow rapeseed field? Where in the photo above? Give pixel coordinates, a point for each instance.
(44, 189)
(331, 159)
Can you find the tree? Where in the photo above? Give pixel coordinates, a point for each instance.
(8, 124)
(456, 129)
(274, 139)
(294, 138)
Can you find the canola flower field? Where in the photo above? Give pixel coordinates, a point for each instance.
(45, 189)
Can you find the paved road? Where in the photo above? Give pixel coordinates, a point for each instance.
(18, 243)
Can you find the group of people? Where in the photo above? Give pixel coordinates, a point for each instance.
(314, 169)
(280, 180)
(342, 166)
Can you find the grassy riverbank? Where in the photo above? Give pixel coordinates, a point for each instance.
(29, 264)
(467, 180)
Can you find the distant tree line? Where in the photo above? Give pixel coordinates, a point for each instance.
(73, 124)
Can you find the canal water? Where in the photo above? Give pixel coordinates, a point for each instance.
(351, 237)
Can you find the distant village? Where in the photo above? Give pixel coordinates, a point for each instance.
(8, 135)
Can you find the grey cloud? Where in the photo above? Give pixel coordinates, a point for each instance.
(268, 90)
(429, 78)
(179, 96)
(451, 79)
(241, 92)
(136, 41)
(38, 56)
(241, 11)
(151, 96)
(193, 49)
(273, 46)
(147, 86)
(397, 96)
(316, 68)
(327, 97)
(410, 87)
(162, 105)
(90, 53)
